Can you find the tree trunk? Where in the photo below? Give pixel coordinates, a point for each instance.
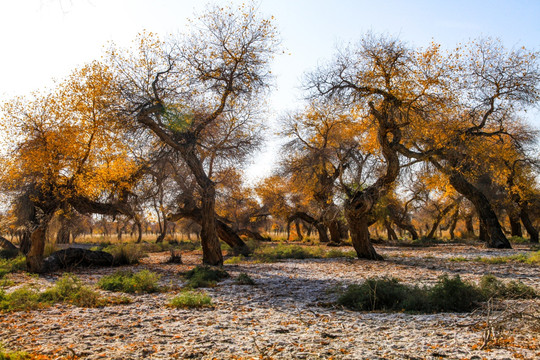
(359, 230)
(495, 235)
(163, 233)
(527, 223)
(482, 232)
(34, 258)
(321, 228)
(335, 234)
(438, 219)
(298, 230)
(232, 239)
(209, 239)
(253, 235)
(515, 225)
(469, 226)
(63, 235)
(390, 233)
(453, 224)
(225, 233)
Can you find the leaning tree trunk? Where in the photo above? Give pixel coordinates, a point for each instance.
(321, 228)
(527, 223)
(515, 225)
(232, 239)
(495, 236)
(453, 224)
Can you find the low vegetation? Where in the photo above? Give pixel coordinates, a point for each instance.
(532, 258)
(12, 265)
(191, 299)
(447, 295)
(205, 276)
(244, 279)
(129, 282)
(68, 289)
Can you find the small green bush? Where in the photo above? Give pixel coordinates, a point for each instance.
(21, 299)
(191, 299)
(492, 287)
(375, 294)
(69, 288)
(204, 276)
(281, 251)
(126, 281)
(453, 294)
(335, 253)
(244, 279)
(12, 265)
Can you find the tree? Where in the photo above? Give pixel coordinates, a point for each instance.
(372, 79)
(322, 144)
(65, 151)
(208, 84)
(482, 89)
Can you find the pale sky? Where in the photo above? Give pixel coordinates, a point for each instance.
(46, 39)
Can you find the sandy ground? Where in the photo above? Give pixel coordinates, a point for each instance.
(288, 314)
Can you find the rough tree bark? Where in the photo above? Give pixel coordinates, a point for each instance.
(225, 233)
(321, 228)
(515, 224)
(495, 236)
(527, 223)
(401, 219)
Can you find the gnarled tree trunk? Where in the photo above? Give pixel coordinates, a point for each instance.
(527, 223)
(495, 236)
(359, 229)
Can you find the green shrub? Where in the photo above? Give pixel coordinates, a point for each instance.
(191, 299)
(453, 294)
(12, 265)
(492, 287)
(69, 288)
(244, 279)
(336, 253)
(126, 281)
(375, 294)
(204, 276)
(448, 294)
(21, 299)
(281, 251)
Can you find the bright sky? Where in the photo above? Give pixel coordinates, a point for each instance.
(46, 39)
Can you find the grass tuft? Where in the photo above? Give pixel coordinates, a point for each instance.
(204, 276)
(129, 282)
(191, 299)
(12, 265)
